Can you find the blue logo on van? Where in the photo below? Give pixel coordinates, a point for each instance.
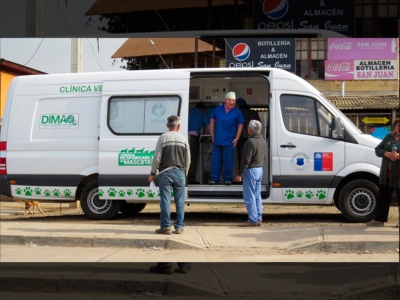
(159, 109)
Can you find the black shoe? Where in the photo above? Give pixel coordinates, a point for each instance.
(211, 182)
(228, 182)
(160, 270)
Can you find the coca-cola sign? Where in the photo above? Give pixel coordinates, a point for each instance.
(339, 70)
(354, 48)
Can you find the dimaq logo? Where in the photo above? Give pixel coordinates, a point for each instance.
(275, 9)
(241, 51)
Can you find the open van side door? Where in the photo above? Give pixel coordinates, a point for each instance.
(134, 113)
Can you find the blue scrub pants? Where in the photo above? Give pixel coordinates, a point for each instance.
(222, 160)
(252, 178)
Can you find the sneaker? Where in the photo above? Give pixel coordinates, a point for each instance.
(248, 224)
(161, 270)
(182, 270)
(178, 231)
(259, 222)
(375, 223)
(228, 182)
(166, 230)
(211, 182)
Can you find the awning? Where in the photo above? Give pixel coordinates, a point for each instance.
(365, 102)
(136, 47)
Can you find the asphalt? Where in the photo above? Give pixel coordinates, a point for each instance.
(206, 279)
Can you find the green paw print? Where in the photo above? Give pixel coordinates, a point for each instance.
(299, 194)
(112, 192)
(67, 193)
(321, 194)
(129, 192)
(150, 194)
(121, 193)
(18, 191)
(172, 194)
(101, 193)
(140, 193)
(289, 194)
(47, 193)
(38, 191)
(28, 191)
(56, 193)
(309, 194)
(159, 194)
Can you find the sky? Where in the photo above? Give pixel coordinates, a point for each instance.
(53, 55)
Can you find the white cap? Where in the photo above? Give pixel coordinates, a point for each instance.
(230, 95)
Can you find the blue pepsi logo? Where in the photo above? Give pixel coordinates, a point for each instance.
(241, 51)
(275, 9)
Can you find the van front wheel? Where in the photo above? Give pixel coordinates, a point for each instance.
(357, 200)
(95, 208)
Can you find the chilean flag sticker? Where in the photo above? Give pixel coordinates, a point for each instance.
(323, 161)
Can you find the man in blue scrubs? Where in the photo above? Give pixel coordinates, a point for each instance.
(226, 125)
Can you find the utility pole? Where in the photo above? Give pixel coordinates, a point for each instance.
(76, 55)
(34, 18)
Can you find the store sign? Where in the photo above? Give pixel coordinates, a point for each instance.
(354, 48)
(360, 69)
(256, 53)
(335, 16)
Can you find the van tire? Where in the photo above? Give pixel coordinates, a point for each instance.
(132, 208)
(97, 209)
(357, 200)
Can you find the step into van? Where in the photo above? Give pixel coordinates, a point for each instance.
(91, 137)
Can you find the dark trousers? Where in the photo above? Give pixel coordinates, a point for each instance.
(239, 147)
(194, 158)
(383, 202)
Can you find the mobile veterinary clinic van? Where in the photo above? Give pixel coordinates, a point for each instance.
(91, 137)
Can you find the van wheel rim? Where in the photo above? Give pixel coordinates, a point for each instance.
(95, 204)
(361, 202)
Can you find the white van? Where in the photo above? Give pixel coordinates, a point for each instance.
(91, 137)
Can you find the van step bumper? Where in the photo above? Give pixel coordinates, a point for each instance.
(5, 187)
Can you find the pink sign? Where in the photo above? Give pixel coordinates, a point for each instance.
(339, 70)
(365, 48)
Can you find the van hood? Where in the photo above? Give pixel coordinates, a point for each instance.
(367, 140)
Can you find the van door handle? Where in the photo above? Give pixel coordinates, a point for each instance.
(288, 146)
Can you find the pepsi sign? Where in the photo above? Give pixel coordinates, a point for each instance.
(335, 16)
(257, 53)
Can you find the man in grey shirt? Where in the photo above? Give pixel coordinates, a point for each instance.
(251, 172)
(172, 159)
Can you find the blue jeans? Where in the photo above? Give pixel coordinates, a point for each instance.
(172, 180)
(252, 193)
(222, 159)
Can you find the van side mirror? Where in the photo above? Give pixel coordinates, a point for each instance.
(337, 129)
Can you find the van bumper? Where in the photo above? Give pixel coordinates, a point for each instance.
(5, 187)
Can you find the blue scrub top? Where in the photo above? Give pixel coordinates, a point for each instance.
(226, 125)
(197, 120)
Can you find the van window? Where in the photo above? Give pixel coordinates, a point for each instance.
(305, 115)
(141, 115)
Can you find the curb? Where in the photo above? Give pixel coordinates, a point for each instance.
(347, 246)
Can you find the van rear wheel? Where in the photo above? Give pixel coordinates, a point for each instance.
(357, 200)
(95, 208)
(132, 208)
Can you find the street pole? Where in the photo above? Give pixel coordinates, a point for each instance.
(34, 18)
(76, 55)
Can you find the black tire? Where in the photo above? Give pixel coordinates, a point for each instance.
(97, 209)
(357, 200)
(132, 208)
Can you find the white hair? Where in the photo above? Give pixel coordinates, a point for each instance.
(255, 126)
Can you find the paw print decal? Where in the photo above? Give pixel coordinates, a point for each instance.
(159, 194)
(28, 191)
(121, 193)
(38, 191)
(47, 193)
(172, 194)
(67, 193)
(18, 191)
(129, 192)
(112, 192)
(299, 194)
(101, 193)
(56, 193)
(309, 194)
(321, 194)
(140, 193)
(289, 194)
(150, 194)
